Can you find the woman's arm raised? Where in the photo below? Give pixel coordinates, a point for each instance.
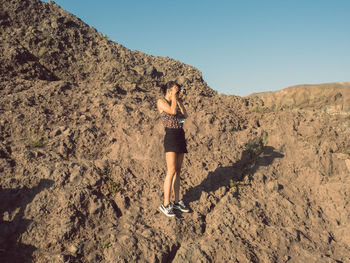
(182, 108)
(163, 106)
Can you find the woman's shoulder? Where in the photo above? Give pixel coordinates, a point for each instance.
(161, 100)
(160, 103)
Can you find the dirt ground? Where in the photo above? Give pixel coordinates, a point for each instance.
(82, 162)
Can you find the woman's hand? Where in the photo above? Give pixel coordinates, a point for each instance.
(180, 96)
(174, 91)
(164, 106)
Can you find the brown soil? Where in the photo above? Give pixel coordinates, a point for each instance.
(82, 162)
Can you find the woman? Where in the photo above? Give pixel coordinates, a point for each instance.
(173, 113)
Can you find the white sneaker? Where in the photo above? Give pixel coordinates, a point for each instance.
(167, 210)
(181, 206)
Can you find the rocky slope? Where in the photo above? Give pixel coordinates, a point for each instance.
(82, 163)
(333, 98)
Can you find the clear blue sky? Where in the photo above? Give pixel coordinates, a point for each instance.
(241, 47)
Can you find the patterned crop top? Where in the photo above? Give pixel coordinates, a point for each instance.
(172, 121)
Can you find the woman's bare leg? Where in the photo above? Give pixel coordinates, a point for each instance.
(176, 179)
(171, 165)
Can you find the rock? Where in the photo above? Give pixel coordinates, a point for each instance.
(272, 186)
(54, 24)
(101, 164)
(73, 249)
(66, 227)
(151, 71)
(147, 233)
(91, 178)
(347, 162)
(57, 132)
(190, 252)
(95, 205)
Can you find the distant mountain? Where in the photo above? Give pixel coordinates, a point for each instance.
(331, 97)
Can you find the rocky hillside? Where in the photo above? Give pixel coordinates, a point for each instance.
(82, 164)
(333, 98)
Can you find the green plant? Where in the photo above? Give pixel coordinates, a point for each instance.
(276, 108)
(237, 183)
(112, 186)
(346, 151)
(107, 244)
(255, 147)
(264, 137)
(258, 109)
(36, 141)
(106, 37)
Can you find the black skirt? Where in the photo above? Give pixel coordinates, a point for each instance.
(174, 141)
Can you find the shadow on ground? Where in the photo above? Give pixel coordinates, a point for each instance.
(248, 164)
(13, 203)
